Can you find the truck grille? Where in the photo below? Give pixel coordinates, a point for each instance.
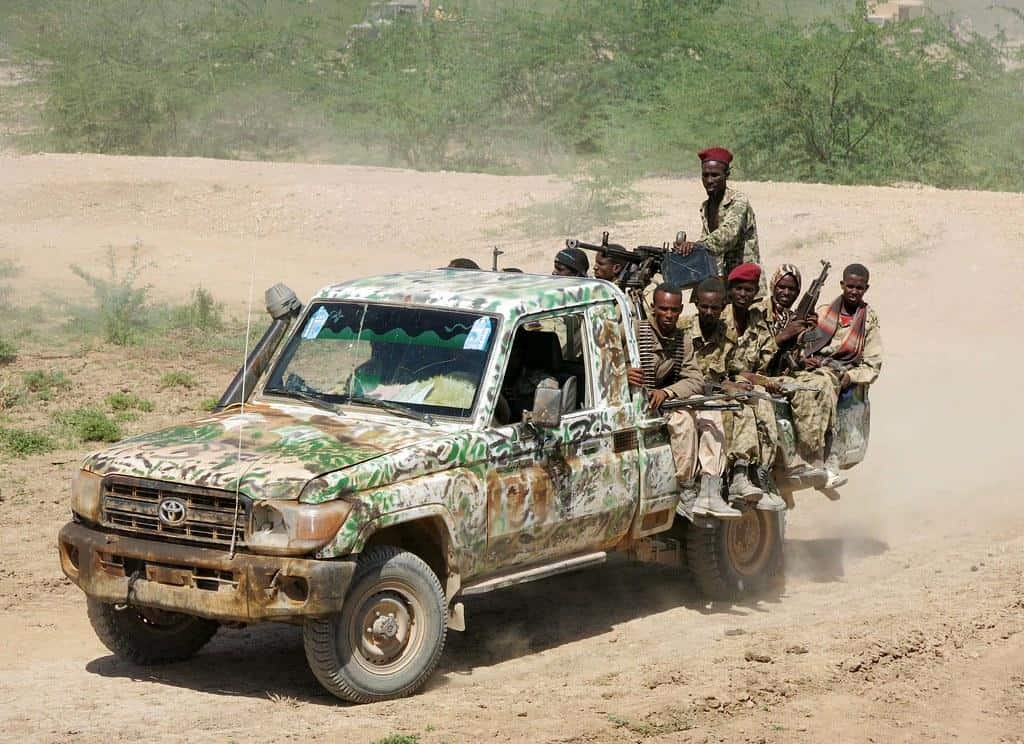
(197, 514)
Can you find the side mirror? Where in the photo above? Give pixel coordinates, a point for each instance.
(547, 404)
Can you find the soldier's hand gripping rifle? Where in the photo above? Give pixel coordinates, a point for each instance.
(790, 359)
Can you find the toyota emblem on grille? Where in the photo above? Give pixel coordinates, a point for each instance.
(172, 512)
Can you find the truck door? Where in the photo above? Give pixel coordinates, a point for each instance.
(567, 490)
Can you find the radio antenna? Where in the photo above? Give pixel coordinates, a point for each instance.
(241, 423)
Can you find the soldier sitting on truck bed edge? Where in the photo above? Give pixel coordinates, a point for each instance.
(730, 342)
(847, 342)
(813, 397)
(669, 369)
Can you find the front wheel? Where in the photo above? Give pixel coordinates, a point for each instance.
(389, 635)
(736, 558)
(144, 635)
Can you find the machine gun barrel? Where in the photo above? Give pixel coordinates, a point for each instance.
(612, 250)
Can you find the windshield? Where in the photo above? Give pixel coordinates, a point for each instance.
(428, 361)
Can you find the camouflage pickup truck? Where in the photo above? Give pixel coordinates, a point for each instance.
(401, 443)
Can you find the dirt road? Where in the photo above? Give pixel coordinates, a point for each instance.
(903, 615)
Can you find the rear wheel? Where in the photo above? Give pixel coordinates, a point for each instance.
(736, 558)
(145, 635)
(388, 637)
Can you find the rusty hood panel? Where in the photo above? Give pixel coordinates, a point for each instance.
(282, 448)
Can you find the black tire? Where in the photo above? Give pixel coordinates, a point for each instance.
(736, 558)
(363, 664)
(146, 636)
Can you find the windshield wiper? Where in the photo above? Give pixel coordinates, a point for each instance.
(313, 400)
(389, 405)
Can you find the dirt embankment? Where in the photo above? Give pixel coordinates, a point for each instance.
(904, 606)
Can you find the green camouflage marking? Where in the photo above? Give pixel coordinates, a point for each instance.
(282, 448)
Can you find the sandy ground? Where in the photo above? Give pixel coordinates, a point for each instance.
(903, 612)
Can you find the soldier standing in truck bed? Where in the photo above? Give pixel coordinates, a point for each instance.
(728, 226)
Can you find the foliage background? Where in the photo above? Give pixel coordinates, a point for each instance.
(605, 89)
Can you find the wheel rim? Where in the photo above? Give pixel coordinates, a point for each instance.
(748, 542)
(385, 633)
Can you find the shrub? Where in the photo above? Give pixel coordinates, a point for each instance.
(208, 404)
(122, 401)
(10, 396)
(44, 383)
(178, 379)
(201, 313)
(8, 352)
(122, 305)
(90, 425)
(22, 442)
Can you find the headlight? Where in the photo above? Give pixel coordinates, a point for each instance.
(85, 494)
(290, 528)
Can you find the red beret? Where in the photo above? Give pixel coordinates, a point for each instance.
(715, 153)
(748, 272)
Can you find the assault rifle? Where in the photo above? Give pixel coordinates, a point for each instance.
(809, 302)
(714, 402)
(721, 401)
(785, 387)
(789, 359)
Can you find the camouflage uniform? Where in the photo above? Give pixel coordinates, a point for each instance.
(814, 412)
(751, 433)
(734, 241)
(694, 436)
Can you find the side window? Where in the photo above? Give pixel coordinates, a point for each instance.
(551, 346)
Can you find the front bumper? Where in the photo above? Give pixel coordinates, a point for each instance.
(200, 581)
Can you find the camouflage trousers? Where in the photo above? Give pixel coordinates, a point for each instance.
(696, 438)
(814, 413)
(752, 434)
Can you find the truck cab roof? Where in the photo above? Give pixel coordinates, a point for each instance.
(510, 295)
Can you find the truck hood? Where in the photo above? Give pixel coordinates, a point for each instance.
(282, 448)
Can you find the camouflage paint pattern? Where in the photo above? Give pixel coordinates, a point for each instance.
(283, 446)
(506, 495)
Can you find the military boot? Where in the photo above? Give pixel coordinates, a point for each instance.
(687, 499)
(741, 487)
(710, 502)
(835, 478)
(771, 501)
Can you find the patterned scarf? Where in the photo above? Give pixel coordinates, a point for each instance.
(780, 316)
(853, 345)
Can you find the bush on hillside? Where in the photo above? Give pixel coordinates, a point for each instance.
(539, 85)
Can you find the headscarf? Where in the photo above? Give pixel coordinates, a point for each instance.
(780, 316)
